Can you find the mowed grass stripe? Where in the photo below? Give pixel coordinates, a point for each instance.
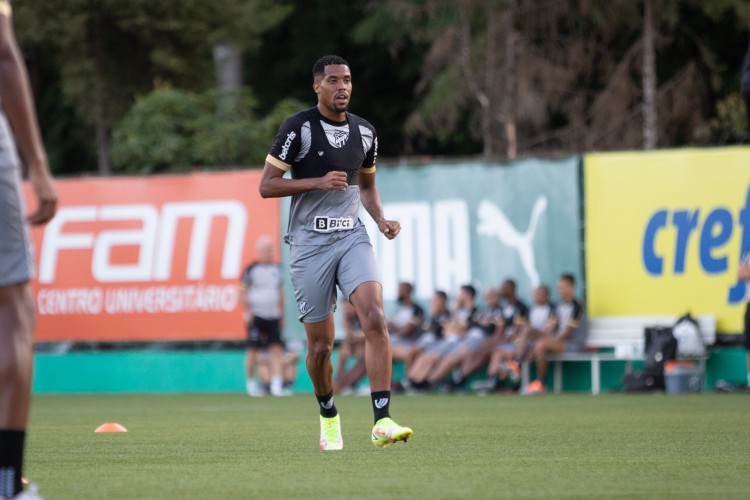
(232, 446)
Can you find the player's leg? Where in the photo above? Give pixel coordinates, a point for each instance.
(542, 349)
(358, 278)
(276, 353)
(477, 359)
(447, 364)
(320, 336)
(17, 321)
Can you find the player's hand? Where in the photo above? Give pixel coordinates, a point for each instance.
(46, 197)
(333, 181)
(390, 228)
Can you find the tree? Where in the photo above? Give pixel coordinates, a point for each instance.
(110, 51)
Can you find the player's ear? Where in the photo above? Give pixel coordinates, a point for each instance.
(316, 86)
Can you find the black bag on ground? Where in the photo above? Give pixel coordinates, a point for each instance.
(660, 346)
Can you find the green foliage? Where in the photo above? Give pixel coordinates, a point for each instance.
(175, 130)
(729, 125)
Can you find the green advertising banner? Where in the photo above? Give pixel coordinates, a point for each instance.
(475, 223)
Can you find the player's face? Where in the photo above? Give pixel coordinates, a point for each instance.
(566, 290)
(540, 296)
(335, 88)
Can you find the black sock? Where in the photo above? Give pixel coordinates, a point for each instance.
(11, 460)
(327, 408)
(381, 403)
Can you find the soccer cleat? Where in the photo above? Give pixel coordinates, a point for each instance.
(386, 431)
(536, 387)
(32, 493)
(330, 434)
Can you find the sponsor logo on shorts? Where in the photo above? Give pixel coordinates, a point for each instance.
(287, 144)
(329, 224)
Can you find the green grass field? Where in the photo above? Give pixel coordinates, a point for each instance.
(232, 446)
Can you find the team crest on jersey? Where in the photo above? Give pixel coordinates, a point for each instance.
(340, 138)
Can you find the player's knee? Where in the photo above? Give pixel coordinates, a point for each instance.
(373, 321)
(321, 351)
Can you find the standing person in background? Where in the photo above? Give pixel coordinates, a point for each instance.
(331, 154)
(17, 310)
(264, 309)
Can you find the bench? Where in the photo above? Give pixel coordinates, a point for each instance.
(622, 334)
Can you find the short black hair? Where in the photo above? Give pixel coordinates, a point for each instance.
(319, 68)
(407, 285)
(569, 278)
(510, 283)
(470, 289)
(442, 294)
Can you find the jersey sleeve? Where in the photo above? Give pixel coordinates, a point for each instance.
(287, 144)
(576, 316)
(522, 314)
(246, 279)
(371, 155)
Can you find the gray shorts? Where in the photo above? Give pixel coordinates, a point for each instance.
(317, 269)
(16, 260)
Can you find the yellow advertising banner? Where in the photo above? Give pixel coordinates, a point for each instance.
(665, 232)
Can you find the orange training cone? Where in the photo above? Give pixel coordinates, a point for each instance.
(111, 427)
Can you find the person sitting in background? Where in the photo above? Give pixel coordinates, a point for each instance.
(405, 325)
(432, 334)
(505, 359)
(349, 373)
(289, 362)
(567, 333)
(426, 367)
(492, 318)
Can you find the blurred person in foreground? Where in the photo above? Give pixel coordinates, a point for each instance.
(331, 155)
(264, 309)
(18, 128)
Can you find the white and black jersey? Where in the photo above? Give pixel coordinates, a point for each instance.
(262, 284)
(540, 315)
(311, 145)
(572, 314)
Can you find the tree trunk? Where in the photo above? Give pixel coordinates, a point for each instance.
(102, 148)
(511, 82)
(650, 130)
(228, 66)
(101, 129)
(228, 70)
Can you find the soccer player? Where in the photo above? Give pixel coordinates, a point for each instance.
(264, 306)
(17, 312)
(331, 154)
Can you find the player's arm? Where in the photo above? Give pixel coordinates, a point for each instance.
(573, 323)
(274, 185)
(18, 105)
(370, 197)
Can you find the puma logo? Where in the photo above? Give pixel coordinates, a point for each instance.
(493, 222)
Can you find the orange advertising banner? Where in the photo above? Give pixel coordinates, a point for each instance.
(149, 258)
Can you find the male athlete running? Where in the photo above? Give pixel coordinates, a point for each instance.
(331, 154)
